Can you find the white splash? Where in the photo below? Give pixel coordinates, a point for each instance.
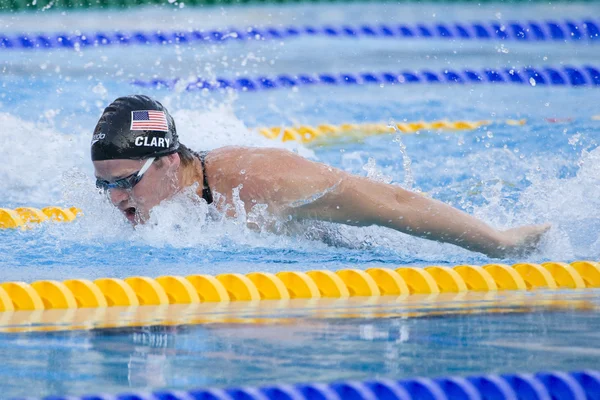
(34, 157)
(375, 173)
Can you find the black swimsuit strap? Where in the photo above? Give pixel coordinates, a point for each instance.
(206, 193)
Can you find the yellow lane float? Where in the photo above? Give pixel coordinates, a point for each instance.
(23, 217)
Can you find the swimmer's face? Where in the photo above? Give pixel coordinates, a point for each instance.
(158, 183)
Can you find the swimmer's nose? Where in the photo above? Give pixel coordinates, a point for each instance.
(118, 196)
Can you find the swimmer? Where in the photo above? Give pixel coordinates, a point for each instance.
(139, 162)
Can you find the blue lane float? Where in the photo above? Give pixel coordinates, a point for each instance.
(532, 31)
(586, 75)
(582, 385)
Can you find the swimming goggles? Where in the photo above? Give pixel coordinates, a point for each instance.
(128, 182)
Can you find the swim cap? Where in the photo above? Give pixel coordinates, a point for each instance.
(133, 128)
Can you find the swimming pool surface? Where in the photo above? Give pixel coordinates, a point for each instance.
(547, 170)
(449, 336)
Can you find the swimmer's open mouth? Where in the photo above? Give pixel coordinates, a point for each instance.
(129, 213)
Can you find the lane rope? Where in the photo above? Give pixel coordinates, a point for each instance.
(44, 5)
(326, 132)
(543, 385)
(543, 76)
(530, 31)
(330, 133)
(285, 285)
(23, 217)
(108, 314)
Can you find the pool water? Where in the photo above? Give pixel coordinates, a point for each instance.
(331, 341)
(506, 175)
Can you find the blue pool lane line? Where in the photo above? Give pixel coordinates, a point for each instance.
(544, 76)
(541, 386)
(531, 31)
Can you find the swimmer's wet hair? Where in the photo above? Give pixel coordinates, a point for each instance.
(186, 155)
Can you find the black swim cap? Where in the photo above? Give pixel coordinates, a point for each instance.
(133, 128)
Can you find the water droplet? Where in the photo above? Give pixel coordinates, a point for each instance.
(573, 140)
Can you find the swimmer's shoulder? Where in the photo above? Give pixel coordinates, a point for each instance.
(257, 170)
(256, 164)
(243, 155)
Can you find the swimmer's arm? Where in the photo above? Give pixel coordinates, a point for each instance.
(362, 202)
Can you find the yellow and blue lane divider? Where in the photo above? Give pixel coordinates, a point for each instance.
(287, 285)
(521, 31)
(585, 75)
(577, 385)
(22, 217)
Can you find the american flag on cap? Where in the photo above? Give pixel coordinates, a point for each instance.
(149, 120)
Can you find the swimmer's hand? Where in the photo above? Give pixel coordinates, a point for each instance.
(521, 241)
